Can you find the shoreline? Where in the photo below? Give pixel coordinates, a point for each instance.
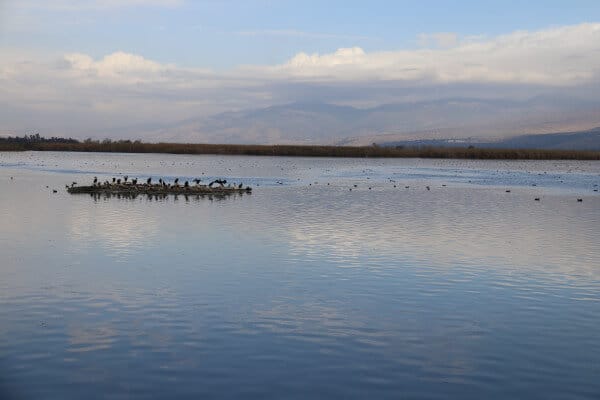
(308, 150)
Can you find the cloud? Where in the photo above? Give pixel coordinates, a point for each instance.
(567, 55)
(123, 88)
(118, 65)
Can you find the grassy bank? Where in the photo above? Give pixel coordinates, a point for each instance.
(304, 151)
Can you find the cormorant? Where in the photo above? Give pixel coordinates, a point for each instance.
(221, 182)
(149, 181)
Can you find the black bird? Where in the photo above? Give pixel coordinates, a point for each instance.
(186, 184)
(134, 181)
(580, 200)
(73, 184)
(197, 181)
(125, 178)
(114, 179)
(218, 181)
(149, 181)
(160, 181)
(176, 181)
(95, 179)
(537, 199)
(240, 185)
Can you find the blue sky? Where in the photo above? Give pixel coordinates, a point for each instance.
(226, 33)
(69, 65)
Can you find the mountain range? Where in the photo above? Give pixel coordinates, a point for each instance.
(583, 140)
(480, 120)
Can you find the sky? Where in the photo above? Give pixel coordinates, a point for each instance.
(92, 66)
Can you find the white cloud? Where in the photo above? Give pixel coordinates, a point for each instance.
(118, 65)
(560, 56)
(124, 88)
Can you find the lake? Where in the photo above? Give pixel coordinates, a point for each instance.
(335, 278)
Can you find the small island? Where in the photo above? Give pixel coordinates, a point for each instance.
(132, 187)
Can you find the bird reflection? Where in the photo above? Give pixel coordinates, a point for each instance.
(164, 197)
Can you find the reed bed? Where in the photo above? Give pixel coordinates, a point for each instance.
(126, 146)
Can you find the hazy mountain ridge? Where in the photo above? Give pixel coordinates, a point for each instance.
(584, 140)
(321, 123)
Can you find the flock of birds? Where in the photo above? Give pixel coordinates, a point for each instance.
(226, 164)
(126, 182)
(222, 182)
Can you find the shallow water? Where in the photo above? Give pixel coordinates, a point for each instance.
(305, 288)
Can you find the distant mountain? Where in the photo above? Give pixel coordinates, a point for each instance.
(585, 140)
(322, 123)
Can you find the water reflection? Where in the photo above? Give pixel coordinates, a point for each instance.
(458, 291)
(164, 197)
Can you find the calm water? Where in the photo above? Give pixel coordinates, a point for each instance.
(305, 288)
